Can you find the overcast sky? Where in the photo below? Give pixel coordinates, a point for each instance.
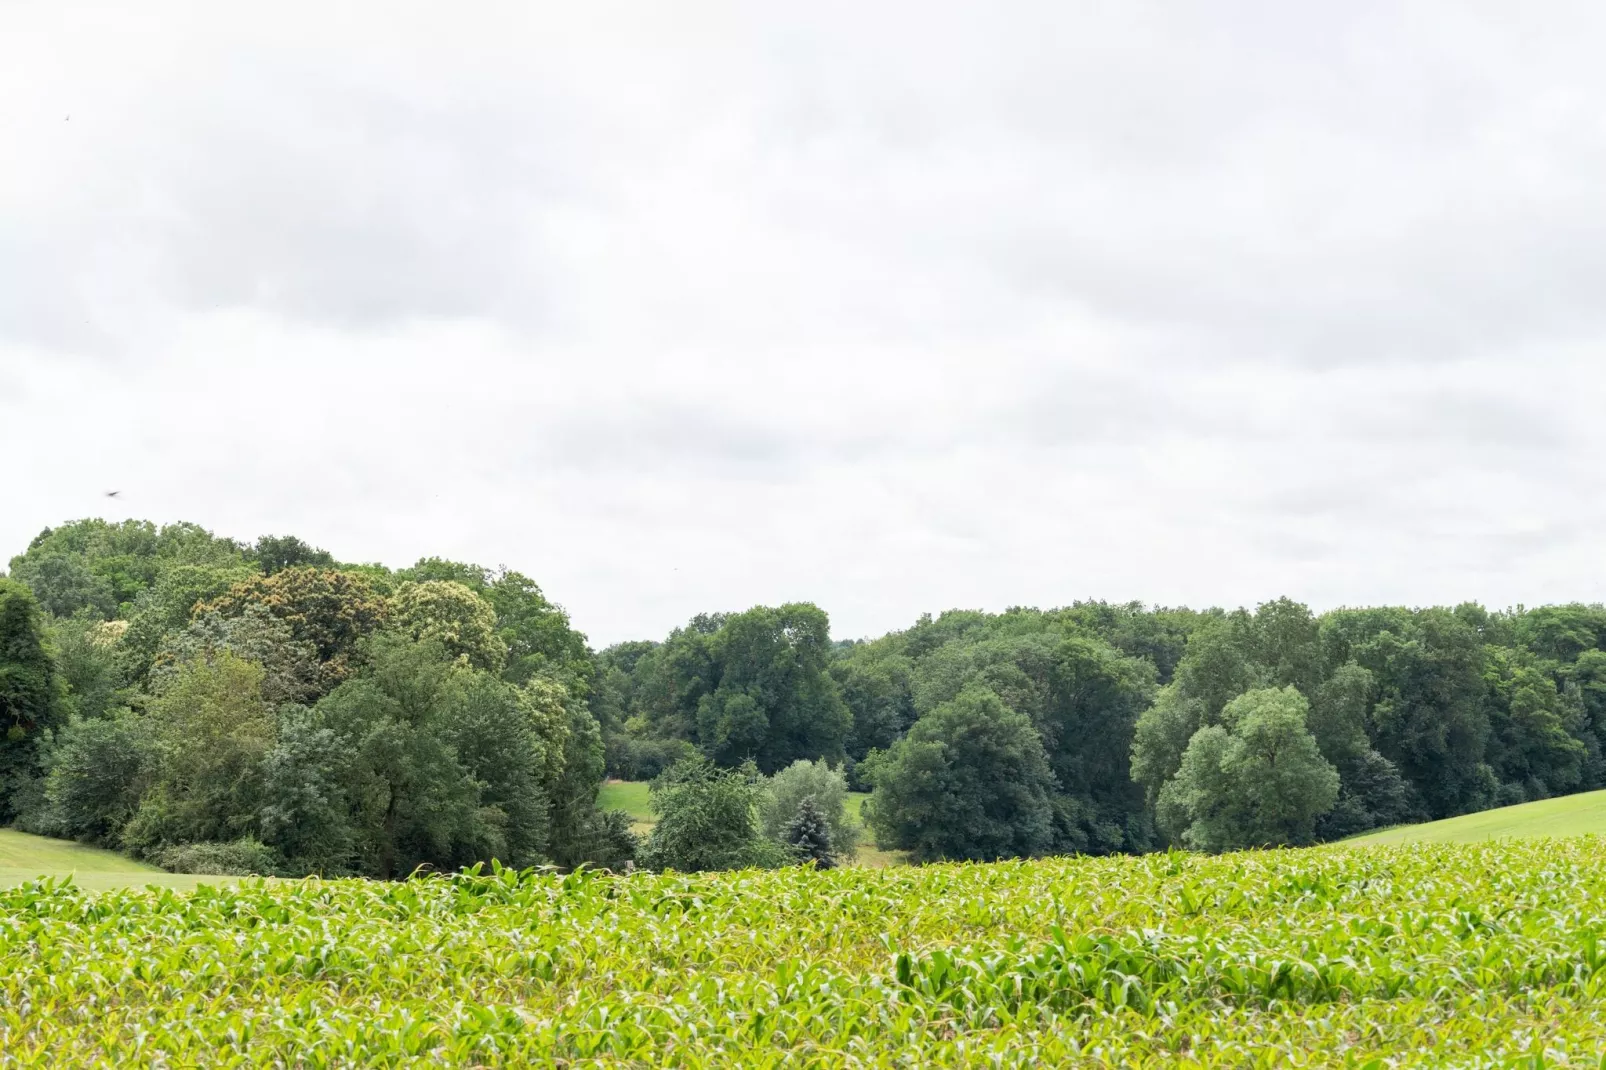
(890, 307)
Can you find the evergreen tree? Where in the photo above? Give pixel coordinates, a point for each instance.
(808, 834)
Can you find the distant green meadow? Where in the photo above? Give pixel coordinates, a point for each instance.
(1568, 815)
(633, 797)
(1416, 955)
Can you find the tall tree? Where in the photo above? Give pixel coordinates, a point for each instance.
(969, 781)
(212, 729)
(1258, 780)
(772, 699)
(30, 693)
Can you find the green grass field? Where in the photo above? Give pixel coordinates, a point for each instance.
(1464, 955)
(631, 796)
(24, 858)
(1569, 815)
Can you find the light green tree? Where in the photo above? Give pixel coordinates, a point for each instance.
(449, 613)
(1257, 780)
(785, 791)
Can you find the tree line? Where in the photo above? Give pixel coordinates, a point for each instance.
(194, 699)
(1099, 728)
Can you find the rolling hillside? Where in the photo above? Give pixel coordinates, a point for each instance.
(1568, 815)
(24, 857)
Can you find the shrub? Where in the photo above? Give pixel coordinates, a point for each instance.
(242, 858)
(707, 820)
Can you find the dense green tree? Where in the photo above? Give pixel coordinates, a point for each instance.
(877, 686)
(306, 812)
(86, 659)
(539, 637)
(1339, 710)
(1561, 634)
(99, 770)
(708, 820)
(410, 801)
(212, 729)
(275, 553)
(969, 781)
(1161, 737)
(1158, 635)
(1371, 794)
(1258, 779)
(1534, 745)
(762, 690)
(66, 586)
(1429, 718)
(111, 563)
(1095, 696)
(164, 609)
(291, 672)
(512, 745)
(31, 694)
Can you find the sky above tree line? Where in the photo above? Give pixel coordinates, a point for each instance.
(892, 307)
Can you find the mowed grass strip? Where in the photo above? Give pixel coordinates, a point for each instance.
(26, 858)
(1568, 815)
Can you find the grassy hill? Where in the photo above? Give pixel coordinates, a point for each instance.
(1569, 815)
(24, 857)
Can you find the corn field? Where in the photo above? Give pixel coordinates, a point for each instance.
(1359, 957)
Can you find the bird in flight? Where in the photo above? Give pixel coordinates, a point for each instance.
(113, 493)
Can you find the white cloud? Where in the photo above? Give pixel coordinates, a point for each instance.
(893, 308)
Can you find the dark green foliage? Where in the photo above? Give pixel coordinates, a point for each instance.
(1423, 713)
(305, 809)
(745, 686)
(1429, 718)
(99, 770)
(808, 835)
(86, 659)
(969, 781)
(604, 838)
(878, 687)
(99, 566)
(708, 820)
(1371, 794)
(290, 667)
(772, 700)
(275, 553)
(30, 693)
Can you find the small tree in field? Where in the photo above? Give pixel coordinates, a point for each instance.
(808, 834)
(708, 820)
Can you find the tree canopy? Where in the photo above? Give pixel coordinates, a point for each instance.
(163, 687)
